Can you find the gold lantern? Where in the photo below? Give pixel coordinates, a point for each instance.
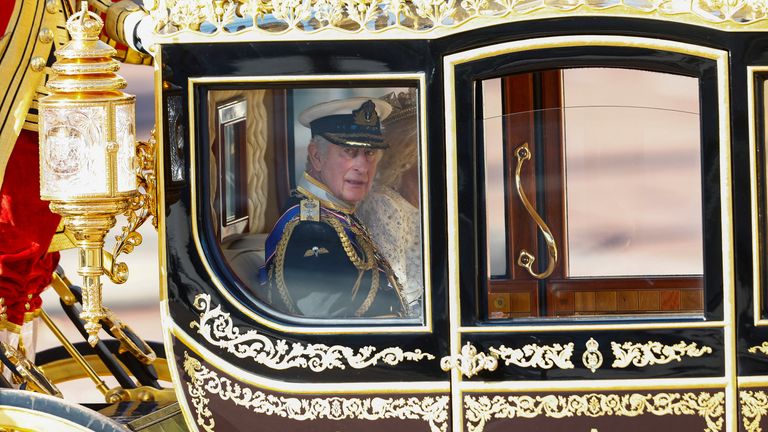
(87, 150)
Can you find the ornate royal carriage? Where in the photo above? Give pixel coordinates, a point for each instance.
(590, 196)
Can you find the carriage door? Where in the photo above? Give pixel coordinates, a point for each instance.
(591, 281)
(289, 304)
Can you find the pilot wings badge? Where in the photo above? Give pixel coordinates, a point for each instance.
(315, 251)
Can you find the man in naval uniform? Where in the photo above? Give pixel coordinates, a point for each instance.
(320, 260)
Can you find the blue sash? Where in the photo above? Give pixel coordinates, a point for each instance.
(274, 238)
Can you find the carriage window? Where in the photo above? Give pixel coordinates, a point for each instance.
(315, 198)
(593, 193)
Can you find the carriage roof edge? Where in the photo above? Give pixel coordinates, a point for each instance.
(190, 21)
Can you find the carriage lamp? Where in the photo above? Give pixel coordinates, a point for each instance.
(87, 150)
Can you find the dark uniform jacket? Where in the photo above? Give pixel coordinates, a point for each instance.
(322, 263)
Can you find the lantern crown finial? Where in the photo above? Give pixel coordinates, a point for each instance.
(97, 74)
(84, 25)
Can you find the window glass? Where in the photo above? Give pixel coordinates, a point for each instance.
(495, 208)
(633, 173)
(593, 193)
(323, 184)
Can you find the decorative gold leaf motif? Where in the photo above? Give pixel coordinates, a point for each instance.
(536, 356)
(436, 11)
(362, 11)
(292, 12)
(185, 14)
(205, 383)
(761, 348)
(754, 405)
(651, 353)
(216, 327)
(220, 13)
(479, 410)
(469, 362)
(142, 207)
(592, 357)
(422, 16)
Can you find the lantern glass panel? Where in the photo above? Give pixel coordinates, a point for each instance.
(125, 120)
(73, 154)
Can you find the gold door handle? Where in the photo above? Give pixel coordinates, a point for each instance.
(526, 259)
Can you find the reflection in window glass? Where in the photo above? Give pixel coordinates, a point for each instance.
(495, 211)
(593, 193)
(231, 147)
(633, 173)
(333, 220)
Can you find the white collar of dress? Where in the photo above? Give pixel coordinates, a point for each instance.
(314, 189)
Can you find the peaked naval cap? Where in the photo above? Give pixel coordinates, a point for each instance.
(353, 122)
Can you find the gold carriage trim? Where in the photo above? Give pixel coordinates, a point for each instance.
(141, 208)
(469, 361)
(217, 328)
(652, 353)
(763, 348)
(592, 357)
(205, 383)
(536, 356)
(481, 409)
(754, 404)
(252, 19)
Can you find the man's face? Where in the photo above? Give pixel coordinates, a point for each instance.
(348, 172)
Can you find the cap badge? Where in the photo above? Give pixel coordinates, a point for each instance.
(366, 115)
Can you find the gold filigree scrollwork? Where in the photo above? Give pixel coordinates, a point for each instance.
(536, 356)
(422, 16)
(469, 362)
(204, 383)
(142, 207)
(652, 353)
(216, 327)
(592, 357)
(754, 405)
(479, 410)
(763, 348)
(220, 13)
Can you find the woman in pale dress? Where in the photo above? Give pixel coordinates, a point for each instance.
(391, 210)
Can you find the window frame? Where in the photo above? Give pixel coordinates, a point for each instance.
(224, 278)
(682, 63)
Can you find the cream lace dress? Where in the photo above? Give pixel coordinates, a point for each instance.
(395, 226)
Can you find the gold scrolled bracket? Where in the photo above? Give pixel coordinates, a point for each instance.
(469, 362)
(129, 341)
(143, 394)
(26, 372)
(142, 207)
(526, 259)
